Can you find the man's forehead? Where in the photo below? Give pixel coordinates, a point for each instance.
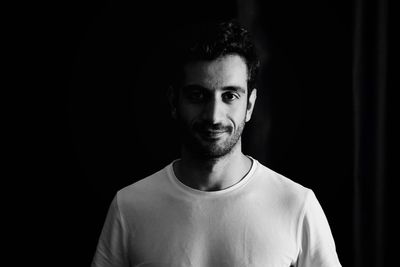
(229, 70)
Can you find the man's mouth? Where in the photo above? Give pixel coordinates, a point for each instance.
(212, 134)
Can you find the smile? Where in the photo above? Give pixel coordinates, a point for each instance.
(212, 135)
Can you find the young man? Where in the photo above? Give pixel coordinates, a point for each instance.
(215, 206)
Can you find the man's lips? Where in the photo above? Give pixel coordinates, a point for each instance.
(213, 131)
(212, 134)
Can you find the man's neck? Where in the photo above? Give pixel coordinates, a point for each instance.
(212, 174)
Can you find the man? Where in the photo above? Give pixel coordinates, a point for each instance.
(215, 206)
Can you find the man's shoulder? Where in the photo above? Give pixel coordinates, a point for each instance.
(145, 187)
(280, 185)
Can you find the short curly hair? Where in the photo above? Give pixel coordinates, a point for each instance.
(209, 40)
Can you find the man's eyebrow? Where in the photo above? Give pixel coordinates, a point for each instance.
(193, 87)
(238, 89)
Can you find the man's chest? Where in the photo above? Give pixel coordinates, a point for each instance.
(231, 236)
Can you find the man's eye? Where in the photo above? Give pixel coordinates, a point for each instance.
(196, 95)
(229, 96)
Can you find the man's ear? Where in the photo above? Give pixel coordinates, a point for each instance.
(173, 100)
(251, 103)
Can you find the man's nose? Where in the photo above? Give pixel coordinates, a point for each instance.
(213, 111)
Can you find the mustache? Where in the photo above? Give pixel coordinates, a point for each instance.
(206, 126)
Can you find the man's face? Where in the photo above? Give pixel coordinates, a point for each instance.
(212, 106)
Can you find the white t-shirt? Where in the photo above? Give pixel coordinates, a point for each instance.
(265, 220)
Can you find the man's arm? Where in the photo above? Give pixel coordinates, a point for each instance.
(111, 247)
(317, 247)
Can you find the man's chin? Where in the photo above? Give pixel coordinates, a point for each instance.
(211, 150)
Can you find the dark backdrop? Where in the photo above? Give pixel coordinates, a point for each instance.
(321, 118)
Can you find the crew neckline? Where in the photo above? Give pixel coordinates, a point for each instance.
(192, 191)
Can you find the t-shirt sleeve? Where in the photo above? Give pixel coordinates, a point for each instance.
(111, 247)
(317, 247)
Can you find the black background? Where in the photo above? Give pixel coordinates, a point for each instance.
(103, 122)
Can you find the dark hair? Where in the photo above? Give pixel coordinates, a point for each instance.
(209, 40)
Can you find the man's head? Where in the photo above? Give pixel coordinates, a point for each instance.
(214, 96)
(209, 40)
